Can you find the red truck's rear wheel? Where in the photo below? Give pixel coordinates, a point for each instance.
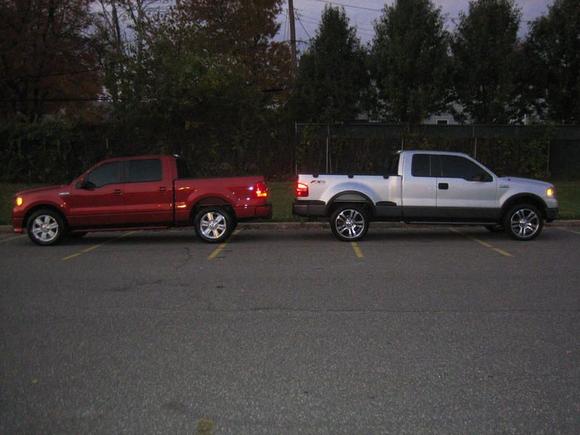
(213, 224)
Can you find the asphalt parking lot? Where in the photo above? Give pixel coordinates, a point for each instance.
(414, 330)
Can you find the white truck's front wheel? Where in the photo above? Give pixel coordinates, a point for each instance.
(349, 223)
(524, 222)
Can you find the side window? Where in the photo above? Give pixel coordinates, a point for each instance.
(420, 165)
(108, 173)
(459, 167)
(142, 171)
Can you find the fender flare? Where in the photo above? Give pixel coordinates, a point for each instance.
(521, 198)
(349, 196)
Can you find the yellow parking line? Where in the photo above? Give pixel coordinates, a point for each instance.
(502, 252)
(357, 250)
(92, 248)
(482, 243)
(11, 238)
(221, 247)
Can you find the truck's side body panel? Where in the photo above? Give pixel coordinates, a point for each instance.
(142, 191)
(430, 186)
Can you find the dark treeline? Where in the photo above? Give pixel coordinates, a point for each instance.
(80, 79)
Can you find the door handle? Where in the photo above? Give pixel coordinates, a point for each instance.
(443, 186)
(117, 192)
(162, 189)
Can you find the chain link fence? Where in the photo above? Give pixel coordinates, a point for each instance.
(533, 151)
(55, 152)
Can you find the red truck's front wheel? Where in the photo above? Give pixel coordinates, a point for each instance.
(213, 225)
(45, 227)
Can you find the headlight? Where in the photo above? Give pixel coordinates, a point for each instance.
(550, 192)
(19, 201)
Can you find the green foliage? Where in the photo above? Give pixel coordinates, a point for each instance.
(332, 77)
(485, 60)
(552, 63)
(44, 151)
(410, 61)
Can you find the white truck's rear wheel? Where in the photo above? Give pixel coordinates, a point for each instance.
(349, 223)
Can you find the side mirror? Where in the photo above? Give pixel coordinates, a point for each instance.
(85, 184)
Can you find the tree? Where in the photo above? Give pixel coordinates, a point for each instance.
(332, 76)
(243, 30)
(195, 76)
(485, 60)
(46, 61)
(552, 66)
(410, 61)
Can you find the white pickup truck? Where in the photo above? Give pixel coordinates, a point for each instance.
(428, 187)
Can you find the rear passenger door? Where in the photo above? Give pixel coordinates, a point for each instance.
(148, 193)
(419, 188)
(465, 190)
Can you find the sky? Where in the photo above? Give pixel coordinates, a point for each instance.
(363, 13)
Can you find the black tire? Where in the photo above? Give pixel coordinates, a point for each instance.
(495, 228)
(349, 222)
(523, 222)
(45, 227)
(223, 224)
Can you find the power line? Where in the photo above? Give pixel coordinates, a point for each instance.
(346, 5)
(304, 28)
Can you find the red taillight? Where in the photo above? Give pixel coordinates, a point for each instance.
(301, 189)
(261, 190)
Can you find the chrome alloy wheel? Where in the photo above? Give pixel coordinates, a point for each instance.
(213, 225)
(45, 228)
(525, 223)
(350, 223)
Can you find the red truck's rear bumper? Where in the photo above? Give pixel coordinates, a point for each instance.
(254, 212)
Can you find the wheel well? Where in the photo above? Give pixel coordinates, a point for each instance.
(355, 198)
(211, 202)
(525, 199)
(43, 207)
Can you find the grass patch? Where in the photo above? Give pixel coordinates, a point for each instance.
(282, 196)
(568, 194)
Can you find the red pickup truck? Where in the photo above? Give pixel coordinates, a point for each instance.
(146, 192)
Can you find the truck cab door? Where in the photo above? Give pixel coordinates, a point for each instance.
(97, 199)
(419, 188)
(466, 190)
(148, 192)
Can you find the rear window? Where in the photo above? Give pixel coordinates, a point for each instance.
(141, 171)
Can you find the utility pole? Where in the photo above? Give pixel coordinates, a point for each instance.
(292, 36)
